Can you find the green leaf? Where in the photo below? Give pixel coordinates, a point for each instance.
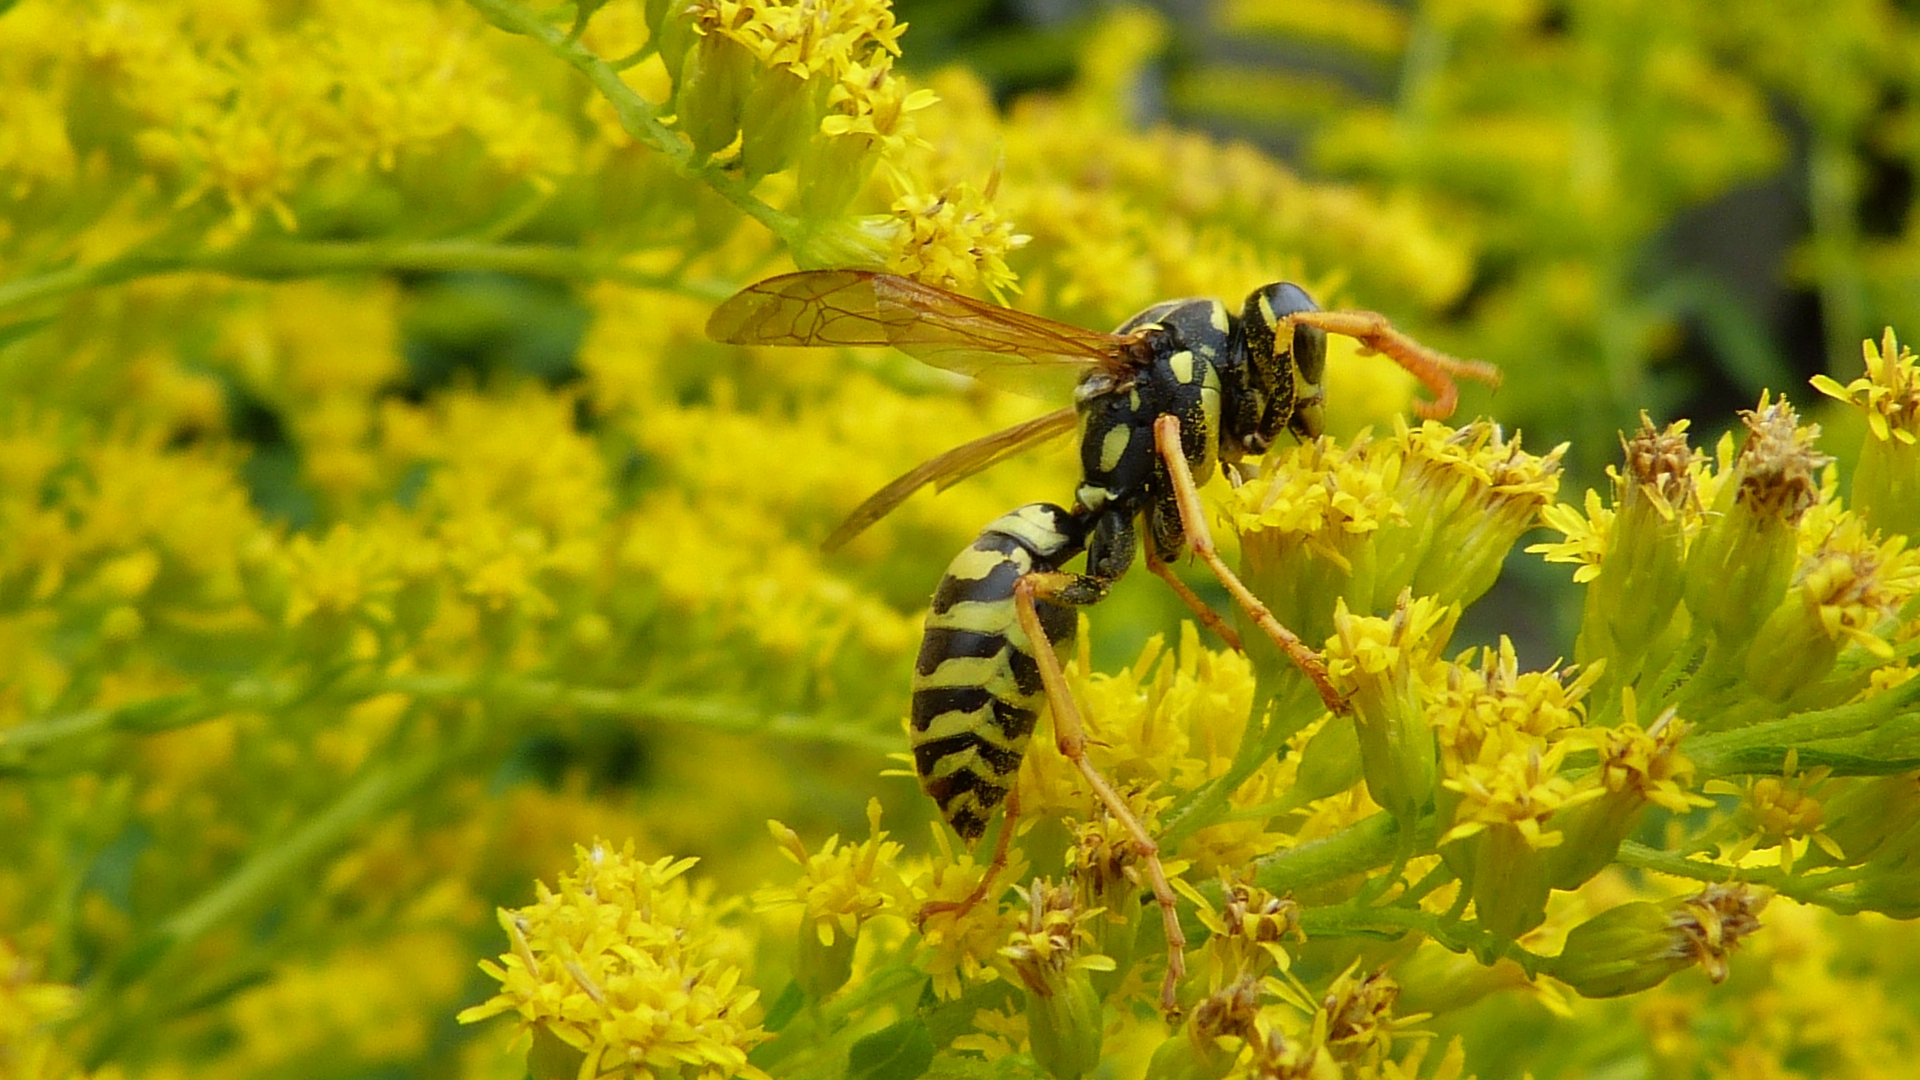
(13, 332)
(900, 1052)
(785, 1007)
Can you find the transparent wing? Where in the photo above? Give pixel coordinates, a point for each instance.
(999, 346)
(950, 468)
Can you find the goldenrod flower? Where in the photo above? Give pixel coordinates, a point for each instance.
(1784, 812)
(1886, 479)
(1637, 769)
(1387, 664)
(1466, 494)
(840, 888)
(1501, 739)
(1360, 1025)
(961, 947)
(1209, 1043)
(1307, 527)
(1634, 554)
(1841, 595)
(621, 965)
(1245, 934)
(1065, 1021)
(953, 239)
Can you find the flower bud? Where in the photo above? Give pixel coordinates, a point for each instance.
(715, 78)
(1510, 880)
(1868, 813)
(1890, 881)
(1330, 762)
(1741, 565)
(861, 242)
(1637, 945)
(1840, 596)
(1205, 1048)
(831, 170)
(1622, 950)
(1065, 1021)
(824, 960)
(1385, 663)
(1632, 599)
(1886, 478)
(781, 113)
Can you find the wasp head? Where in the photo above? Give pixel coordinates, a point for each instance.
(1285, 364)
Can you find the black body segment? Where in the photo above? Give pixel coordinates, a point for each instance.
(976, 686)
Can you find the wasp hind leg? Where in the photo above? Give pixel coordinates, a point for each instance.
(1001, 846)
(1070, 735)
(1193, 520)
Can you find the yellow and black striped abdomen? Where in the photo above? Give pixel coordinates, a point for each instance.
(976, 686)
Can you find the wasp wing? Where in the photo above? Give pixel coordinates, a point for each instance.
(950, 468)
(999, 346)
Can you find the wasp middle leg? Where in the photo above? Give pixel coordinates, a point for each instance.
(1193, 520)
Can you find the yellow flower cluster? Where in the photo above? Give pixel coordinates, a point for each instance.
(376, 522)
(626, 965)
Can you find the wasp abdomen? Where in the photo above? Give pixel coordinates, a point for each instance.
(976, 687)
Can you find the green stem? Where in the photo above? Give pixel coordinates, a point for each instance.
(637, 115)
(1349, 919)
(30, 746)
(1365, 845)
(1720, 753)
(1808, 889)
(294, 258)
(640, 704)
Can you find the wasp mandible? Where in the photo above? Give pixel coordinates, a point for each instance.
(1182, 388)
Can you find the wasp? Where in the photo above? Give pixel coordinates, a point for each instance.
(1180, 389)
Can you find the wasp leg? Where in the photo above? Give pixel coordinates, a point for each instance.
(1070, 735)
(960, 907)
(1166, 435)
(1435, 370)
(1208, 617)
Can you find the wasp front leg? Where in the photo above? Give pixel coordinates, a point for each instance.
(1193, 522)
(1435, 370)
(1070, 735)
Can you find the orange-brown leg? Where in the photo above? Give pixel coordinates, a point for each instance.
(1208, 617)
(1070, 735)
(1435, 370)
(1193, 521)
(960, 907)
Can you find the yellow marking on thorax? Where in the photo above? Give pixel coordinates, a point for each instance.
(1181, 364)
(1033, 526)
(1113, 445)
(1217, 315)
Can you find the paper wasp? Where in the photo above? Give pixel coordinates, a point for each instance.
(1181, 388)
